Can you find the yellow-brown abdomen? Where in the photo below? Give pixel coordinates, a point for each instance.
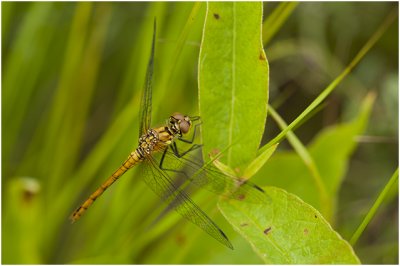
(133, 159)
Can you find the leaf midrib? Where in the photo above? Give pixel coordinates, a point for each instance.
(233, 70)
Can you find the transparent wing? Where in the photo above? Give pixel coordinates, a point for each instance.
(145, 104)
(160, 182)
(207, 176)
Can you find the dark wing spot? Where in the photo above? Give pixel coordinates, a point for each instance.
(216, 16)
(258, 188)
(266, 231)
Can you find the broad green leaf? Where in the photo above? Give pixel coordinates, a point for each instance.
(288, 231)
(233, 81)
(331, 151)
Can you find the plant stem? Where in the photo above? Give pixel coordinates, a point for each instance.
(374, 208)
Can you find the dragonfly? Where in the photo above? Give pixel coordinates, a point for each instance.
(156, 170)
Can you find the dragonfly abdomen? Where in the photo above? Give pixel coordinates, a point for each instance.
(133, 159)
(154, 140)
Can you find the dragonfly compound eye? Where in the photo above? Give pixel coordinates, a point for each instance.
(178, 116)
(184, 126)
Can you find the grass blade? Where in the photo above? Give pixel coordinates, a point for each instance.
(371, 42)
(374, 208)
(275, 21)
(309, 162)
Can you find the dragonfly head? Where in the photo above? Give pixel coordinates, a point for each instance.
(179, 123)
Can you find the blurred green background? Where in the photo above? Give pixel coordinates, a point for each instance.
(72, 76)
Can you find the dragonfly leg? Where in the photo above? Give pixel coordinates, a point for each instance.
(193, 136)
(174, 148)
(166, 169)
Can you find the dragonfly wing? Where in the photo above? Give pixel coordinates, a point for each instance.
(145, 104)
(207, 176)
(159, 181)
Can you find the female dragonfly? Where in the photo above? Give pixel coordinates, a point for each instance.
(155, 173)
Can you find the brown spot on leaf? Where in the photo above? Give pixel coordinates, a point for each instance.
(180, 239)
(262, 56)
(266, 231)
(305, 231)
(241, 197)
(214, 152)
(244, 224)
(216, 15)
(315, 216)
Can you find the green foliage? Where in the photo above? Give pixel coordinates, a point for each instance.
(233, 77)
(72, 79)
(274, 22)
(252, 220)
(331, 150)
(258, 162)
(289, 231)
(393, 181)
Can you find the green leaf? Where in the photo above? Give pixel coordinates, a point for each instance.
(331, 151)
(288, 231)
(259, 162)
(233, 81)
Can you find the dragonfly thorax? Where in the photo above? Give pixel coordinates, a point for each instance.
(148, 141)
(179, 124)
(156, 139)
